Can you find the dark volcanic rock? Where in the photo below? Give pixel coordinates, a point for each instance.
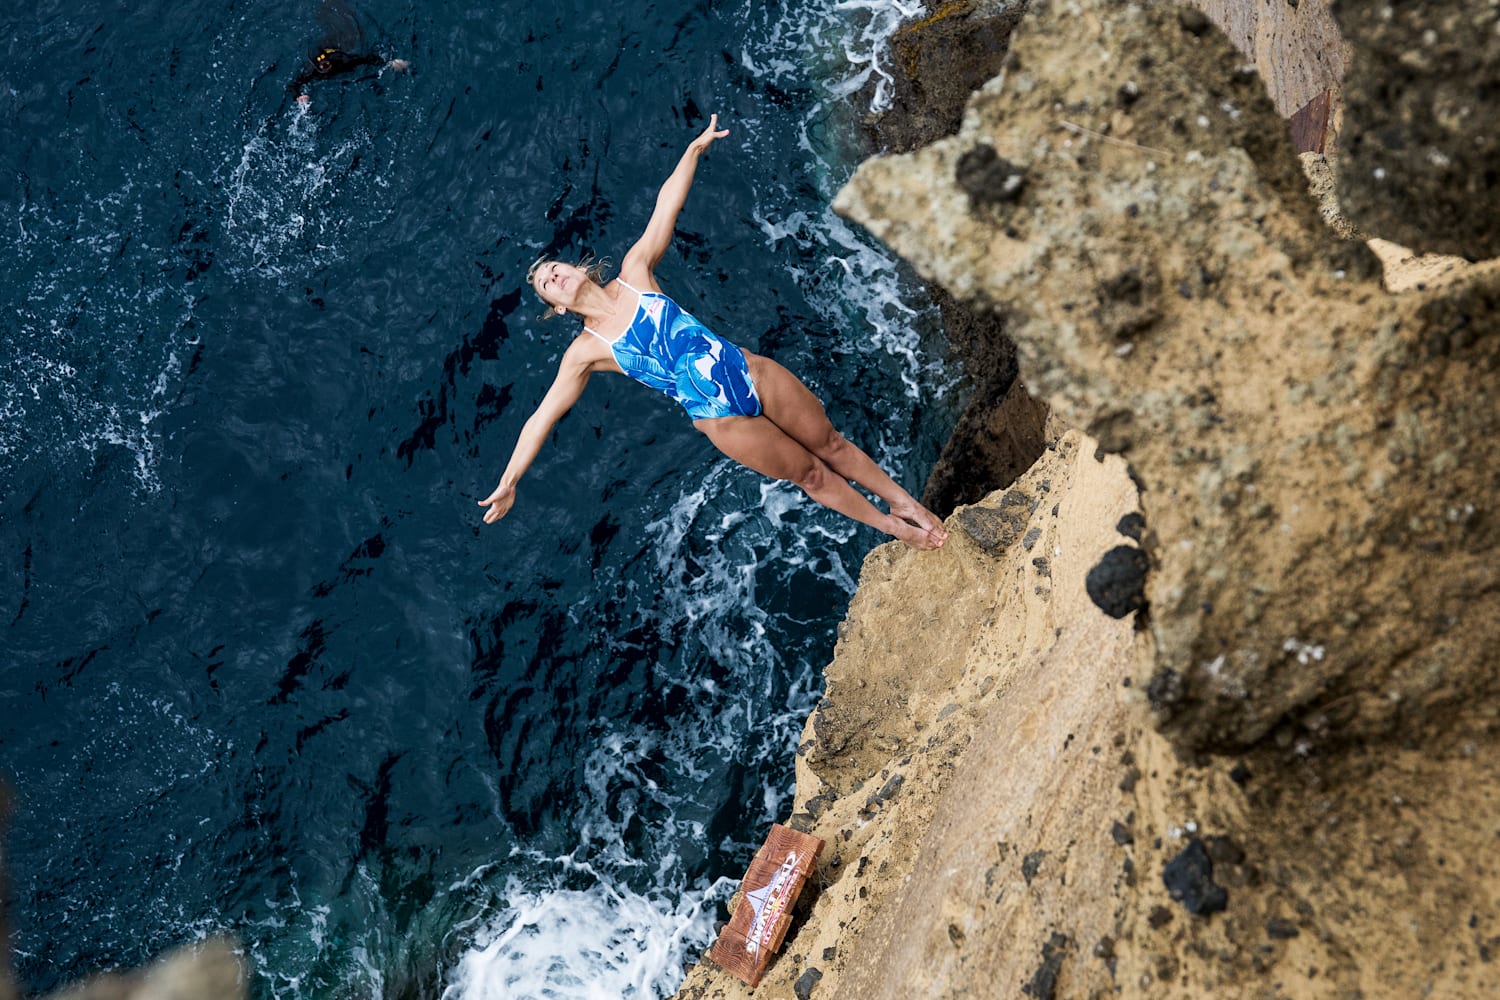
(988, 177)
(1189, 878)
(1043, 983)
(807, 982)
(1132, 525)
(992, 529)
(1117, 584)
(887, 791)
(1279, 929)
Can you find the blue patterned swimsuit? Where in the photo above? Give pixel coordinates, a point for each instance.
(667, 349)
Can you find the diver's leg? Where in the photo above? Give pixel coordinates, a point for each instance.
(758, 444)
(791, 406)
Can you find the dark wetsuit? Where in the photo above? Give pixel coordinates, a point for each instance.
(328, 61)
(339, 50)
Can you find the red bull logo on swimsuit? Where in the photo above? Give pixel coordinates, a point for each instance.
(653, 308)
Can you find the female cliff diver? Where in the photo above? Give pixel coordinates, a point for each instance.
(751, 408)
(339, 50)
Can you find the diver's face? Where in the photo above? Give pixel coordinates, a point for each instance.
(558, 284)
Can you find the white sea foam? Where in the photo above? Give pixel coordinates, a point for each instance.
(818, 34)
(597, 943)
(283, 191)
(101, 329)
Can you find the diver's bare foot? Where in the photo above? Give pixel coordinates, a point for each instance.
(917, 538)
(923, 518)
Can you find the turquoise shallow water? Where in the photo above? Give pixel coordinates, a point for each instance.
(263, 672)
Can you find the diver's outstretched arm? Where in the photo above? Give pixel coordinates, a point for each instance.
(572, 376)
(652, 246)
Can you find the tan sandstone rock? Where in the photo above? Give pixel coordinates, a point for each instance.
(1310, 447)
(1278, 777)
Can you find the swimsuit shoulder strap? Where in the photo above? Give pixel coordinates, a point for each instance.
(611, 343)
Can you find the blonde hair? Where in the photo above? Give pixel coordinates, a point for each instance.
(591, 266)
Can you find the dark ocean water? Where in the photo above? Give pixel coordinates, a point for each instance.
(264, 671)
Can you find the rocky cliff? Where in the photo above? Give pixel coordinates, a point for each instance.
(1203, 704)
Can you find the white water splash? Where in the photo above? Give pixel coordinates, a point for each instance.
(859, 31)
(598, 943)
(282, 191)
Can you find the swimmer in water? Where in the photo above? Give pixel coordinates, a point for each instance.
(750, 407)
(340, 50)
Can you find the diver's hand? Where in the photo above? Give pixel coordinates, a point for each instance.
(709, 136)
(398, 65)
(499, 503)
